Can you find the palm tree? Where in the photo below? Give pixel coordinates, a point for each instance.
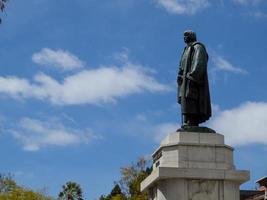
(71, 191)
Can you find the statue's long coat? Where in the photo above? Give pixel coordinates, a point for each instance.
(193, 90)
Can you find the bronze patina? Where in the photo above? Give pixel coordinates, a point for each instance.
(193, 84)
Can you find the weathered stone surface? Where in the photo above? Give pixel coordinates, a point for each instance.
(163, 173)
(194, 166)
(193, 137)
(194, 150)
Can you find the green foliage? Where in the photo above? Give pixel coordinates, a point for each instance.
(115, 194)
(132, 176)
(129, 185)
(116, 190)
(23, 194)
(9, 190)
(7, 184)
(102, 197)
(134, 187)
(71, 191)
(118, 197)
(2, 6)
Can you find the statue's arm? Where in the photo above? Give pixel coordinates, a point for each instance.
(199, 64)
(180, 72)
(180, 76)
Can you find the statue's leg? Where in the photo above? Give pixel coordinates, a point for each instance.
(192, 120)
(186, 120)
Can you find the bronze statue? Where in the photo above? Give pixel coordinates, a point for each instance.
(193, 85)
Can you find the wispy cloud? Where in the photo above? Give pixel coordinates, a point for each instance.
(243, 125)
(123, 55)
(35, 134)
(149, 124)
(221, 64)
(189, 7)
(96, 86)
(248, 2)
(253, 8)
(141, 117)
(58, 59)
(258, 14)
(144, 124)
(24, 175)
(162, 130)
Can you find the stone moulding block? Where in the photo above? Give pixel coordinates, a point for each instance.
(188, 139)
(194, 138)
(194, 150)
(162, 173)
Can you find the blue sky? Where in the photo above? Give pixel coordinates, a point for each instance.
(88, 86)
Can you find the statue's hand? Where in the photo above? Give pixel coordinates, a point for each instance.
(179, 80)
(179, 100)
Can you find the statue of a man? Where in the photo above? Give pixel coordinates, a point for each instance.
(193, 85)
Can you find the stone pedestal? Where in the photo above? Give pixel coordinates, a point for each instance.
(194, 166)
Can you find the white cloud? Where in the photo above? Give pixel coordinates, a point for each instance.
(141, 117)
(96, 86)
(189, 7)
(215, 108)
(144, 125)
(248, 2)
(258, 14)
(222, 64)
(122, 56)
(57, 58)
(162, 130)
(243, 125)
(24, 175)
(35, 134)
(253, 8)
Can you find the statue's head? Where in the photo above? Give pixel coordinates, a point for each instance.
(189, 36)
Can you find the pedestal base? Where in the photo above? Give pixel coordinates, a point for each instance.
(182, 189)
(194, 166)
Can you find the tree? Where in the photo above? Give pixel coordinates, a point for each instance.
(71, 191)
(7, 184)
(102, 197)
(132, 176)
(9, 190)
(2, 7)
(128, 188)
(115, 194)
(23, 194)
(116, 190)
(118, 197)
